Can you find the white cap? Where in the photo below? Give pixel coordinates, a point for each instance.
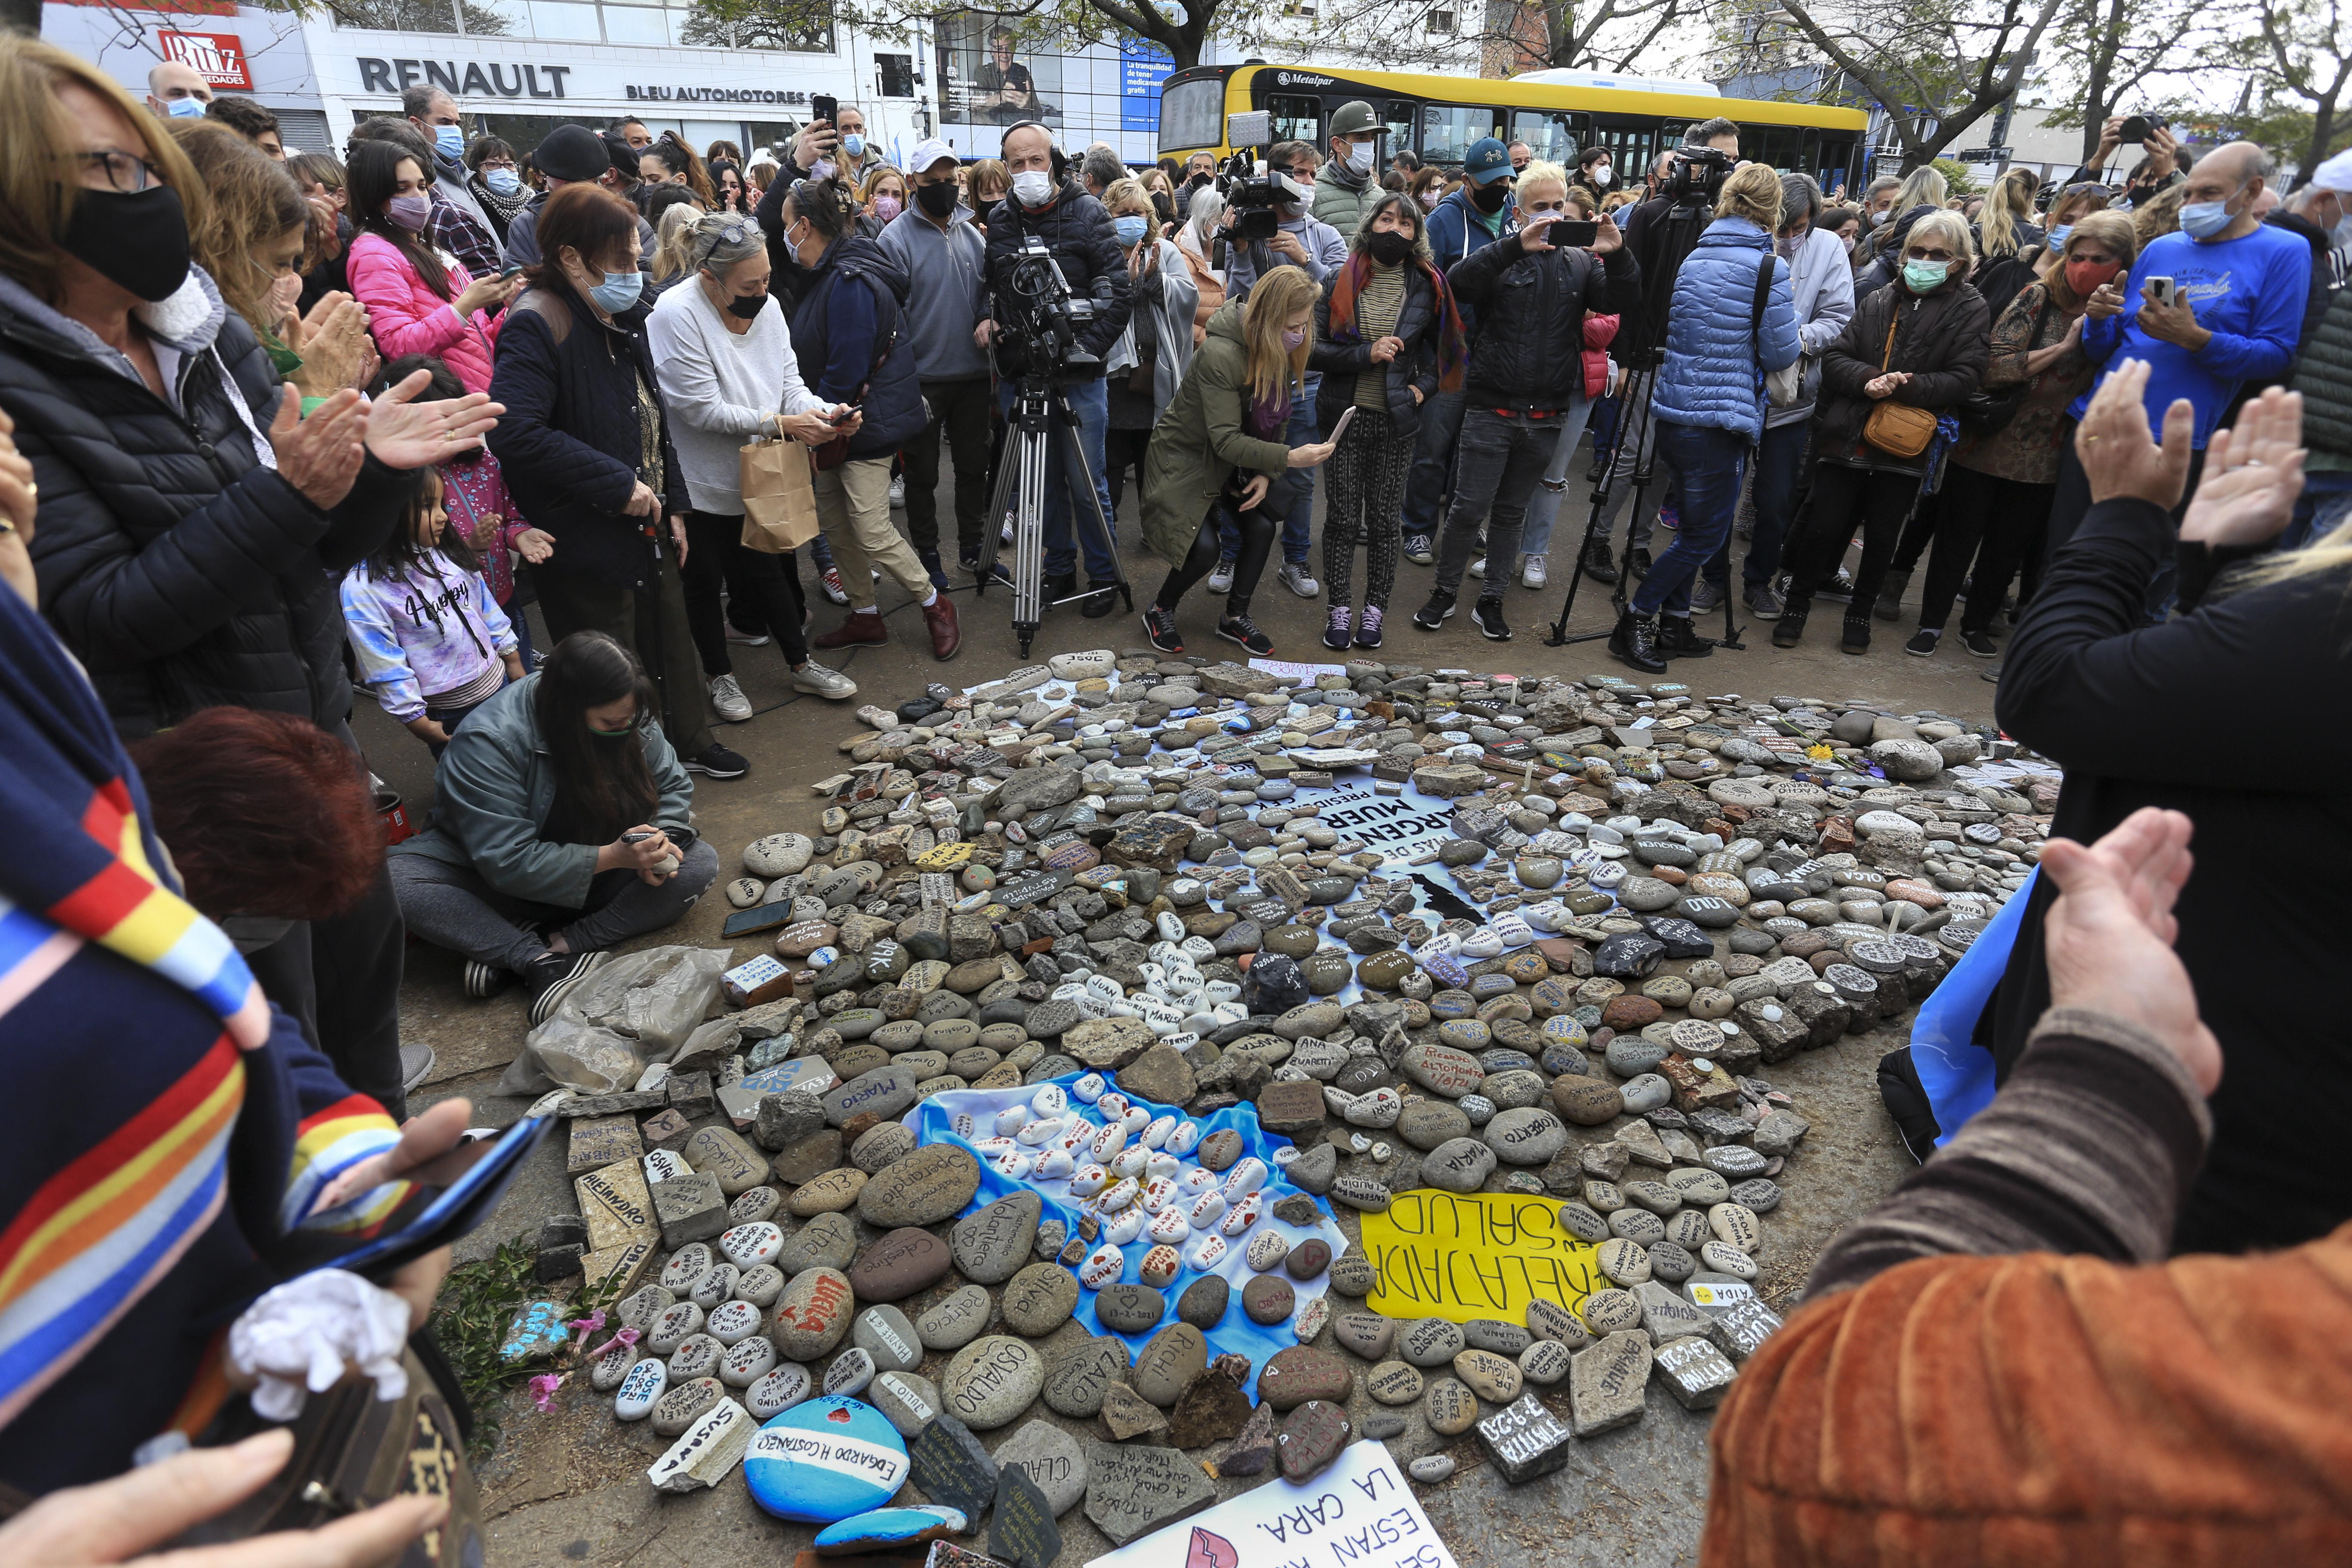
(2335, 175)
(928, 152)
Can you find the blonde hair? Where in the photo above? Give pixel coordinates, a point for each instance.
(1124, 192)
(2160, 215)
(1539, 171)
(675, 240)
(1922, 187)
(1753, 192)
(1615, 199)
(37, 137)
(872, 183)
(1955, 231)
(2009, 205)
(1273, 299)
(254, 201)
(2110, 231)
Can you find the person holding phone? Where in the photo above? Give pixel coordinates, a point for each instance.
(419, 301)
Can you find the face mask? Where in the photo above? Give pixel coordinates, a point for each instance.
(619, 290)
(450, 139)
(1787, 245)
(137, 240)
(1602, 176)
(1360, 159)
(1291, 340)
(1033, 187)
(853, 144)
(937, 200)
(745, 307)
(2058, 236)
(1428, 200)
(821, 170)
(1877, 217)
(506, 181)
(1387, 247)
(886, 208)
(2204, 220)
(185, 108)
(2087, 278)
(612, 734)
(1489, 198)
(285, 293)
(1926, 276)
(409, 212)
(1131, 229)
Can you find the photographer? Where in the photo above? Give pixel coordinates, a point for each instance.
(1347, 185)
(1047, 204)
(1464, 222)
(1709, 150)
(2158, 170)
(1531, 295)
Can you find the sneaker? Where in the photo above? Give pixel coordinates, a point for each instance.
(1432, 615)
(1764, 603)
(718, 762)
(1839, 586)
(899, 492)
(1005, 533)
(1598, 563)
(1531, 572)
(1243, 630)
(1296, 577)
(1637, 561)
(1336, 629)
(1221, 577)
(818, 681)
(1367, 627)
(931, 564)
(1055, 589)
(1416, 550)
(835, 589)
(1103, 599)
(1978, 643)
(553, 977)
(1669, 517)
(1160, 627)
(1991, 674)
(1478, 568)
(727, 700)
(1706, 596)
(749, 640)
(417, 1064)
(1924, 642)
(486, 979)
(1488, 614)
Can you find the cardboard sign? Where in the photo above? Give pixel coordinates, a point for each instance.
(1463, 1256)
(1360, 1512)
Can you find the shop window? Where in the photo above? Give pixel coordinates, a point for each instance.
(895, 75)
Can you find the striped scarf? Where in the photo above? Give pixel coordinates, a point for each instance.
(1453, 341)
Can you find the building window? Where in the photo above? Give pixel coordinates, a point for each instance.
(1441, 23)
(896, 74)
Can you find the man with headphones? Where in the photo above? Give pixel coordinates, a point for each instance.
(1048, 203)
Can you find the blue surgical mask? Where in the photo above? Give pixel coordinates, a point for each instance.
(619, 290)
(1130, 229)
(1926, 276)
(853, 144)
(450, 139)
(2058, 236)
(2204, 220)
(185, 108)
(506, 181)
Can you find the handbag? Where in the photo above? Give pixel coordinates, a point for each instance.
(1988, 413)
(1783, 386)
(779, 497)
(1895, 428)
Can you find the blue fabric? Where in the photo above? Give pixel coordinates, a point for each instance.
(933, 1121)
(1710, 376)
(1711, 463)
(1954, 1071)
(1779, 464)
(1457, 231)
(1090, 401)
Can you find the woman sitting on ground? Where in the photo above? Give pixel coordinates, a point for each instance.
(560, 828)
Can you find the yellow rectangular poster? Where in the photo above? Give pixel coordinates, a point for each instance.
(1462, 1256)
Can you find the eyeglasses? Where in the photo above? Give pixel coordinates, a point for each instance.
(497, 163)
(125, 172)
(1916, 253)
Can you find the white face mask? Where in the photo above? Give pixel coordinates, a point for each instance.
(1034, 187)
(1360, 158)
(1602, 176)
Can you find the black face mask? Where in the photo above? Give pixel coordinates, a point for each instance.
(1489, 198)
(745, 307)
(937, 200)
(1387, 247)
(138, 239)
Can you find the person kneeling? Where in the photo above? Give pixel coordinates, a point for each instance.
(1217, 456)
(560, 828)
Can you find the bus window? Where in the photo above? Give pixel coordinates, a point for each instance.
(1554, 135)
(1448, 129)
(1631, 149)
(1192, 115)
(1401, 115)
(1776, 145)
(1296, 119)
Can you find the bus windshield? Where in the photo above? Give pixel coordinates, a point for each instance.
(1192, 114)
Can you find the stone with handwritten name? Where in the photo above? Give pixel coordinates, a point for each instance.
(991, 1381)
(1525, 1440)
(1606, 1382)
(1134, 1491)
(1076, 1377)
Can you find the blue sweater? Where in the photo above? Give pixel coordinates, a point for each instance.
(2249, 292)
(1713, 348)
(1457, 229)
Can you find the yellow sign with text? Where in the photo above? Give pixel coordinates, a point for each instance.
(1463, 1256)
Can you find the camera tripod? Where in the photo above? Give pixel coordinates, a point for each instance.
(1040, 413)
(1635, 458)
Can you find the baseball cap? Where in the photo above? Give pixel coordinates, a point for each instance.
(2335, 175)
(1487, 162)
(1357, 119)
(572, 152)
(928, 152)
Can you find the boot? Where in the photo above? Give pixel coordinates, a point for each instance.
(1635, 642)
(1890, 597)
(1790, 629)
(1677, 638)
(1053, 589)
(1598, 563)
(860, 628)
(1857, 634)
(940, 615)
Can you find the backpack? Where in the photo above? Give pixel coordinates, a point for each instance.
(2003, 280)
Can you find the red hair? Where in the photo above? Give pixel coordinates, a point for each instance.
(265, 813)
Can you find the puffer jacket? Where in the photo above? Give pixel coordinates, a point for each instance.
(848, 314)
(1202, 439)
(1077, 231)
(1528, 350)
(1342, 198)
(1716, 352)
(180, 567)
(2324, 375)
(571, 443)
(1600, 332)
(1341, 360)
(1943, 339)
(406, 317)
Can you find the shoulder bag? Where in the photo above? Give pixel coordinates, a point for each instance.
(1782, 387)
(1895, 428)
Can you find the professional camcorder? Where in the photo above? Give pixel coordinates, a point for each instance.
(1045, 319)
(1698, 175)
(1256, 200)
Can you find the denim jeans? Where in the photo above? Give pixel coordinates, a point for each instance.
(1779, 469)
(1503, 456)
(1543, 510)
(1298, 523)
(1433, 456)
(1711, 464)
(1090, 401)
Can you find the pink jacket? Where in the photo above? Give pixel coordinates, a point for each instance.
(408, 318)
(1600, 332)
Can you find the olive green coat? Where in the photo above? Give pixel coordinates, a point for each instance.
(1200, 439)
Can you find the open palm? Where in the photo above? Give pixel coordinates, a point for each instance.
(405, 434)
(2254, 474)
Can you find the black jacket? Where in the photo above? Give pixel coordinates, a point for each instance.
(1342, 361)
(843, 342)
(1077, 231)
(1944, 339)
(571, 442)
(1530, 312)
(182, 572)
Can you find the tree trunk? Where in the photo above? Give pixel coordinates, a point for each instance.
(21, 17)
(2323, 131)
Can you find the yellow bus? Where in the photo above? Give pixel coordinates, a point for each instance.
(1556, 113)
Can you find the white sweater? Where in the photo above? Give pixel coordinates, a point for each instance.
(721, 388)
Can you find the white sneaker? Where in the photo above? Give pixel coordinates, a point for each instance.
(899, 492)
(1531, 571)
(1296, 577)
(1221, 577)
(749, 640)
(818, 681)
(1478, 568)
(727, 700)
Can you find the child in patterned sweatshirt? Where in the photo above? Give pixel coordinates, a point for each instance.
(428, 634)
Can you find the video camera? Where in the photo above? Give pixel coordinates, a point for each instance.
(1047, 318)
(1255, 199)
(1698, 175)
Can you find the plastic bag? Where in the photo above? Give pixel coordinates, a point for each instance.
(636, 1010)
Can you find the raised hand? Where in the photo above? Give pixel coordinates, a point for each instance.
(2254, 474)
(2118, 457)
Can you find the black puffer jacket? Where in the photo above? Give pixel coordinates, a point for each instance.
(1342, 360)
(180, 569)
(571, 443)
(846, 341)
(1530, 313)
(1077, 231)
(1944, 339)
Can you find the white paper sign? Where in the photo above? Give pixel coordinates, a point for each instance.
(1359, 1513)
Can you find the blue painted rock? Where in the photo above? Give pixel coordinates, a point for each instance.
(825, 1460)
(889, 1527)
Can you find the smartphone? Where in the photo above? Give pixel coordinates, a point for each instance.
(511, 269)
(1340, 428)
(848, 411)
(2161, 290)
(2138, 129)
(825, 107)
(1575, 232)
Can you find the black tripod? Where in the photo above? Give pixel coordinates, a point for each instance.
(1682, 225)
(1040, 412)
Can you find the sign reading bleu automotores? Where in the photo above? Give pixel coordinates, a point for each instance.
(477, 78)
(713, 95)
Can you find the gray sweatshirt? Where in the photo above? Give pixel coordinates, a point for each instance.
(719, 388)
(950, 295)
